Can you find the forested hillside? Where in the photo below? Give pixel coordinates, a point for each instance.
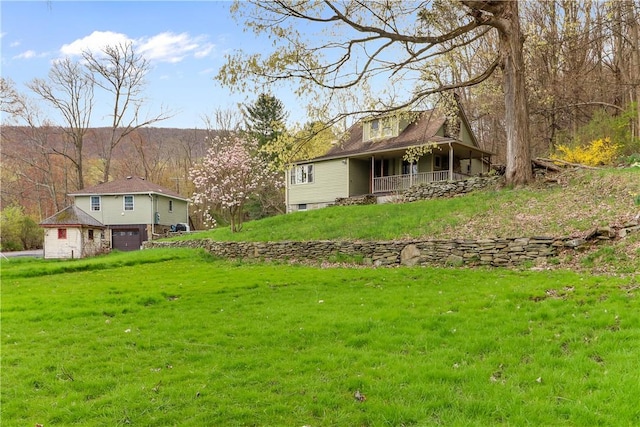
(36, 176)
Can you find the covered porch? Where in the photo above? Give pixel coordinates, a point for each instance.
(388, 184)
(451, 161)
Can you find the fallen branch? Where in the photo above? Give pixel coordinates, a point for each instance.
(563, 162)
(546, 165)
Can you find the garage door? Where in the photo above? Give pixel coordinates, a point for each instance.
(126, 239)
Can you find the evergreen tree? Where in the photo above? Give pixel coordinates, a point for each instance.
(265, 119)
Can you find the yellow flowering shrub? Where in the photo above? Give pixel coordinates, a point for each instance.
(598, 152)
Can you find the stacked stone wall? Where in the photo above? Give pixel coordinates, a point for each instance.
(434, 190)
(426, 191)
(497, 252)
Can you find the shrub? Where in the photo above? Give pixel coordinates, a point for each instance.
(18, 231)
(603, 124)
(598, 152)
(633, 160)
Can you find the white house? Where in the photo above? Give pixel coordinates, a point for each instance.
(72, 233)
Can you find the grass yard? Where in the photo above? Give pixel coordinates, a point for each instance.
(176, 338)
(586, 199)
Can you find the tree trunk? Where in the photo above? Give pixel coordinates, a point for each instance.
(107, 167)
(79, 166)
(518, 167)
(634, 68)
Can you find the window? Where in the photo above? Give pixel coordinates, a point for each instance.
(409, 168)
(302, 174)
(170, 205)
(388, 125)
(62, 233)
(382, 127)
(374, 129)
(128, 203)
(95, 203)
(437, 161)
(381, 168)
(302, 206)
(90, 234)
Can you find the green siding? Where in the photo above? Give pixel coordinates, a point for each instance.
(465, 134)
(179, 213)
(144, 208)
(359, 177)
(330, 181)
(425, 163)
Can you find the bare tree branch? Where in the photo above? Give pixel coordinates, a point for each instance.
(121, 72)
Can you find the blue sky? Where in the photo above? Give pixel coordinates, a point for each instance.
(185, 42)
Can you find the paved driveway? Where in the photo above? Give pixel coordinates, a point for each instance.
(38, 253)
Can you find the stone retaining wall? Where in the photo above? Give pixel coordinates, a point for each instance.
(368, 199)
(433, 190)
(425, 191)
(491, 252)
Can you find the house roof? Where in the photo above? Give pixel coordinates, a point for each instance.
(128, 185)
(421, 131)
(72, 216)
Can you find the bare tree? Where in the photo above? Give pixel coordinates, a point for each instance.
(625, 63)
(121, 71)
(37, 171)
(71, 94)
(11, 102)
(151, 155)
(223, 123)
(395, 41)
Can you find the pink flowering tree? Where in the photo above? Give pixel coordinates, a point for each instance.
(230, 173)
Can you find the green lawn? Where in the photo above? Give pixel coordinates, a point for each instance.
(586, 199)
(175, 338)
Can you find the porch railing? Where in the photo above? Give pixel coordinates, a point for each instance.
(393, 183)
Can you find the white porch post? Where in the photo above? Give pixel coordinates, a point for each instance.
(450, 162)
(287, 183)
(373, 173)
(410, 174)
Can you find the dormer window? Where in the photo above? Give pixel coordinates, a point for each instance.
(388, 129)
(385, 127)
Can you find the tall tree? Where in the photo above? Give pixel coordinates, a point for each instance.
(375, 42)
(11, 102)
(626, 55)
(121, 72)
(35, 176)
(223, 122)
(312, 140)
(265, 119)
(70, 93)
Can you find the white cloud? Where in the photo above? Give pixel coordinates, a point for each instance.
(207, 71)
(204, 50)
(95, 42)
(163, 47)
(15, 44)
(26, 55)
(168, 47)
